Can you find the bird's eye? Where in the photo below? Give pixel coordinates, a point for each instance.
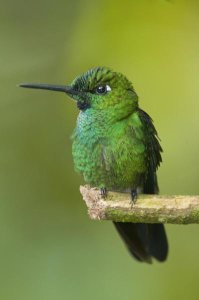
(102, 89)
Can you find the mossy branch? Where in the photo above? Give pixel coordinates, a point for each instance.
(147, 209)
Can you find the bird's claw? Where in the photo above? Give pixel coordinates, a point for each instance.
(134, 196)
(103, 192)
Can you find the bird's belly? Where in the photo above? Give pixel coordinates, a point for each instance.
(115, 164)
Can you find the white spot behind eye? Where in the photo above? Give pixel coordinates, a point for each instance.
(108, 88)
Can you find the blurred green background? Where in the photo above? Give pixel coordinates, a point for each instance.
(49, 247)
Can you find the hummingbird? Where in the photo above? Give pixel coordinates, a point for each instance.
(116, 147)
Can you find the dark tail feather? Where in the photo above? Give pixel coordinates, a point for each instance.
(144, 241)
(158, 241)
(132, 235)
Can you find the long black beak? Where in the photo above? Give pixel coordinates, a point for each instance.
(42, 86)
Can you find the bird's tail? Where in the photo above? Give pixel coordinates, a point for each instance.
(144, 241)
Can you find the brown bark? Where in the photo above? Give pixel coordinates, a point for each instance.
(147, 209)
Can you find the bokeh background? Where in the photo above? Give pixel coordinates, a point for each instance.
(49, 248)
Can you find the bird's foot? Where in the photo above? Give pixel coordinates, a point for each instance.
(103, 192)
(134, 197)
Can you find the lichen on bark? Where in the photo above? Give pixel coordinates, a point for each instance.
(147, 209)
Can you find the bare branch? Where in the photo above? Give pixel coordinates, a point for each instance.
(147, 209)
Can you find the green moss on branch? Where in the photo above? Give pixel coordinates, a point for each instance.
(148, 208)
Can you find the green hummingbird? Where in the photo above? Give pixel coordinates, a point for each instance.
(116, 148)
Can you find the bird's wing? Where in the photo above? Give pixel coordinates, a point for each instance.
(153, 152)
(145, 241)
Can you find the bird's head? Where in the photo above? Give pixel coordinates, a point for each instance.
(98, 89)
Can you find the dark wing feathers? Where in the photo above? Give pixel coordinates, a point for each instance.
(145, 241)
(153, 150)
